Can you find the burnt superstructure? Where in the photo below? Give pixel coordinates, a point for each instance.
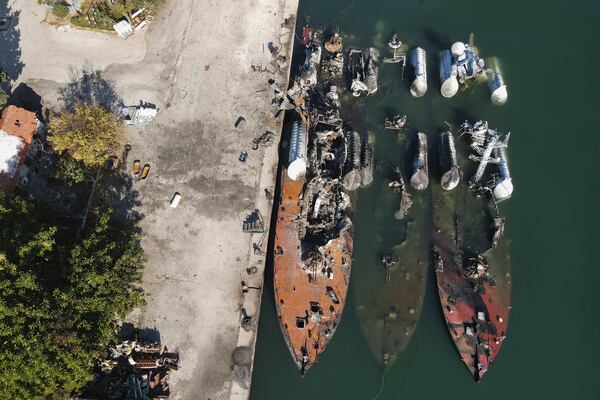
(313, 239)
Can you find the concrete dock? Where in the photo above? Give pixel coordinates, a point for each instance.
(204, 64)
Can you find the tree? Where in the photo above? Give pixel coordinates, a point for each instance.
(90, 134)
(59, 298)
(70, 171)
(3, 94)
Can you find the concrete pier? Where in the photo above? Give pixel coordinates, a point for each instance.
(203, 63)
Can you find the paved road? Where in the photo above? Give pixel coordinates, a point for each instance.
(195, 65)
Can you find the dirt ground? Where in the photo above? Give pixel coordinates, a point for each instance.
(195, 64)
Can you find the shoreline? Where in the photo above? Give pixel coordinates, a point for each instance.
(268, 179)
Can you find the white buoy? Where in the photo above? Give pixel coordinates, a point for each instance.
(448, 75)
(498, 91)
(418, 59)
(297, 155)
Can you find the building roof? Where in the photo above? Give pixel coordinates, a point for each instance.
(17, 127)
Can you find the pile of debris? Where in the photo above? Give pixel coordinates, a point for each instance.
(135, 369)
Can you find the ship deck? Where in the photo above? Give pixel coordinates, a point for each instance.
(476, 311)
(308, 314)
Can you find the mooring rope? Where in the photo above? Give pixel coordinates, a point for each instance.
(381, 388)
(341, 15)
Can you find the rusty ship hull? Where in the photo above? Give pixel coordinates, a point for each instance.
(309, 303)
(313, 234)
(475, 304)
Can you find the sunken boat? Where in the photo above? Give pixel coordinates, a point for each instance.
(470, 253)
(313, 234)
(389, 298)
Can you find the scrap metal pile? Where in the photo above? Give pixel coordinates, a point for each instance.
(135, 369)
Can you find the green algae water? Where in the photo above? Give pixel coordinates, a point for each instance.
(550, 61)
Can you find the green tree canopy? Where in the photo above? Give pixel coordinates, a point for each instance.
(90, 134)
(59, 298)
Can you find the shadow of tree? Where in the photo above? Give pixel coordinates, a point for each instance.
(116, 190)
(10, 36)
(25, 97)
(89, 86)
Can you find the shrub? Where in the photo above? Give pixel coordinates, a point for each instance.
(60, 10)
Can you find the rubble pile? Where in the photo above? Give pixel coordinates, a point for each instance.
(135, 369)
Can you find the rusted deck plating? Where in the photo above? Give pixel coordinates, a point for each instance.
(476, 311)
(309, 299)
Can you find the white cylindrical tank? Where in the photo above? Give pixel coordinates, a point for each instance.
(418, 59)
(503, 187)
(420, 170)
(297, 155)
(498, 91)
(447, 75)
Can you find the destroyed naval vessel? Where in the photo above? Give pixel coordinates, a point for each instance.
(470, 253)
(389, 298)
(313, 234)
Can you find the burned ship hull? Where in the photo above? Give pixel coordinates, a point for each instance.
(472, 268)
(309, 301)
(313, 235)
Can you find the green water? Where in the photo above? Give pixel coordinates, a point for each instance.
(550, 59)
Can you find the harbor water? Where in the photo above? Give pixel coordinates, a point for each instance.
(549, 58)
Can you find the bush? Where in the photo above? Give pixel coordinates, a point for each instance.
(60, 10)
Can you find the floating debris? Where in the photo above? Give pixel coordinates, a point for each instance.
(397, 122)
(399, 186)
